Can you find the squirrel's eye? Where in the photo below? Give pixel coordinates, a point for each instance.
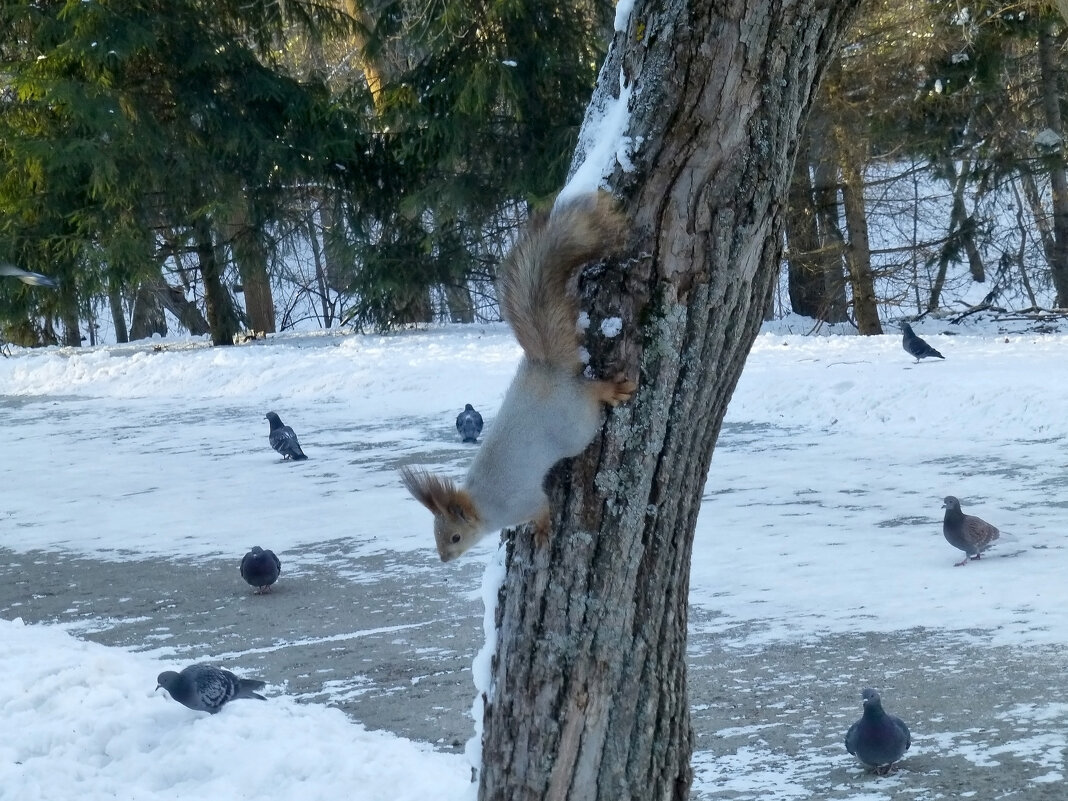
(455, 538)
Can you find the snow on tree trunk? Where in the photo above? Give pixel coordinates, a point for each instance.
(589, 698)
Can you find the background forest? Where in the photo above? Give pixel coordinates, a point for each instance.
(260, 166)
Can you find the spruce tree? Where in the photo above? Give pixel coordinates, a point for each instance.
(126, 118)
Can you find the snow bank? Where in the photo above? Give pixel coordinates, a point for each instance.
(89, 726)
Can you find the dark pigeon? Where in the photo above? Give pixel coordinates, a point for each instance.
(878, 739)
(260, 569)
(469, 424)
(33, 279)
(969, 533)
(206, 688)
(284, 440)
(916, 346)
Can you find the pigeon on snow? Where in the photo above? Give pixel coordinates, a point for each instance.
(207, 688)
(469, 424)
(33, 279)
(916, 346)
(284, 440)
(969, 533)
(260, 569)
(878, 739)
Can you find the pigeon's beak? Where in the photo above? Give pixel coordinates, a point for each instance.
(158, 687)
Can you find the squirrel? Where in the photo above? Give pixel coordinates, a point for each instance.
(551, 411)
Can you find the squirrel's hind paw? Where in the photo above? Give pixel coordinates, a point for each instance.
(620, 390)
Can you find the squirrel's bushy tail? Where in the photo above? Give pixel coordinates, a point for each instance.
(533, 284)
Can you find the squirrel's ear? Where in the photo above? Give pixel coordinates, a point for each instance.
(461, 507)
(434, 492)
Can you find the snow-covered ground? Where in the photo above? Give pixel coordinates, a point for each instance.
(821, 518)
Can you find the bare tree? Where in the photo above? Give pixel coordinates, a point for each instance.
(1050, 76)
(589, 697)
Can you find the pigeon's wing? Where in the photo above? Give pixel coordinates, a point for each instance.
(292, 445)
(277, 439)
(246, 564)
(978, 532)
(460, 418)
(901, 727)
(214, 687)
(851, 738)
(33, 279)
(284, 440)
(277, 562)
(929, 351)
(922, 349)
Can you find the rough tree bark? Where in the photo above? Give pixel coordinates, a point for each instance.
(589, 698)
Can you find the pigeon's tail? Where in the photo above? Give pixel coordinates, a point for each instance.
(246, 688)
(298, 455)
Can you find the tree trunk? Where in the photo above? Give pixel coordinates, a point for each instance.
(1038, 213)
(831, 243)
(222, 317)
(68, 314)
(804, 276)
(589, 699)
(858, 251)
(816, 282)
(118, 317)
(1049, 72)
(458, 300)
(961, 234)
(320, 273)
(250, 255)
(147, 317)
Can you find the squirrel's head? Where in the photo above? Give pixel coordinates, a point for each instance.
(457, 525)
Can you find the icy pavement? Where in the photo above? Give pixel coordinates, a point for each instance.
(134, 480)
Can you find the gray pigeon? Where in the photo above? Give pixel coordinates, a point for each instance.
(33, 279)
(207, 688)
(284, 440)
(469, 424)
(969, 533)
(260, 569)
(878, 739)
(915, 346)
